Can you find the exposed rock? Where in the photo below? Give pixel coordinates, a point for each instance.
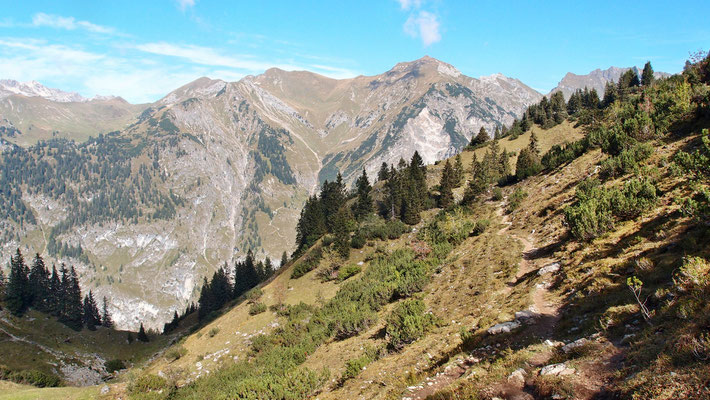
(560, 369)
(549, 268)
(577, 343)
(517, 378)
(526, 316)
(105, 389)
(504, 327)
(553, 343)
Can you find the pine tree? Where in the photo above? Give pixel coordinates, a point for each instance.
(533, 144)
(39, 284)
(142, 335)
(446, 195)
(311, 224)
(363, 205)
(106, 320)
(17, 293)
(417, 174)
(221, 288)
(384, 173)
(332, 197)
(129, 338)
(480, 139)
(611, 94)
(393, 197)
(647, 74)
(497, 134)
(284, 259)
(205, 304)
(458, 171)
(410, 210)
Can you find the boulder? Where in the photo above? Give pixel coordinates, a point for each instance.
(549, 268)
(504, 327)
(577, 343)
(560, 369)
(517, 378)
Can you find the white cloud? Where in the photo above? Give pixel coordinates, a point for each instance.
(425, 26)
(185, 4)
(68, 23)
(407, 4)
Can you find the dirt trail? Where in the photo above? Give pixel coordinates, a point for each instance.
(543, 328)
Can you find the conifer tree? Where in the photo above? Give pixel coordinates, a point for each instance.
(533, 145)
(497, 133)
(342, 236)
(55, 293)
(284, 259)
(458, 171)
(39, 284)
(332, 197)
(363, 205)
(90, 316)
(142, 336)
(393, 198)
(205, 301)
(481, 138)
(647, 74)
(73, 306)
(106, 320)
(446, 195)
(17, 293)
(129, 337)
(384, 173)
(3, 285)
(417, 173)
(311, 225)
(611, 94)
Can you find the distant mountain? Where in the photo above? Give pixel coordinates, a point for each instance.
(596, 79)
(30, 111)
(216, 168)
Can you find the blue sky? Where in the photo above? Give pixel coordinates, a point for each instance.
(141, 50)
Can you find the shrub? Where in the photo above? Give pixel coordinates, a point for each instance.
(516, 198)
(114, 365)
(175, 353)
(407, 323)
(480, 227)
(626, 162)
(149, 387)
(212, 332)
(257, 308)
(355, 366)
(348, 271)
(497, 194)
(254, 294)
(30, 377)
(358, 241)
(310, 262)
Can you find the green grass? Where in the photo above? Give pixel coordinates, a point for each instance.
(13, 391)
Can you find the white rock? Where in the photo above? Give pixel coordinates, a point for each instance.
(560, 369)
(504, 327)
(105, 389)
(549, 268)
(577, 343)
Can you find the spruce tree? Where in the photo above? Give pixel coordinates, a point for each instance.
(611, 94)
(90, 316)
(284, 259)
(54, 305)
(142, 336)
(417, 174)
(73, 306)
(446, 195)
(647, 74)
(393, 197)
(332, 197)
(17, 293)
(3, 285)
(458, 171)
(384, 173)
(480, 139)
(106, 320)
(342, 235)
(39, 284)
(205, 303)
(363, 205)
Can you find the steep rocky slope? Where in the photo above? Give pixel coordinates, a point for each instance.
(596, 79)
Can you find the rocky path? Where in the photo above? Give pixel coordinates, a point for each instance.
(545, 313)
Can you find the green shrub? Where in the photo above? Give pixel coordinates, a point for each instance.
(480, 227)
(627, 161)
(30, 377)
(407, 323)
(497, 194)
(174, 353)
(355, 366)
(257, 308)
(358, 241)
(375, 227)
(516, 198)
(309, 262)
(254, 294)
(348, 271)
(212, 332)
(114, 365)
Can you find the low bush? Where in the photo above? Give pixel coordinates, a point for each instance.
(407, 323)
(309, 262)
(149, 387)
(358, 241)
(355, 366)
(497, 194)
(30, 377)
(516, 198)
(257, 308)
(175, 353)
(348, 271)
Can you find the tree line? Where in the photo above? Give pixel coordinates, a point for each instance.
(57, 293)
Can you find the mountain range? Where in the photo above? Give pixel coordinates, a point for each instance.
(162, 194)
